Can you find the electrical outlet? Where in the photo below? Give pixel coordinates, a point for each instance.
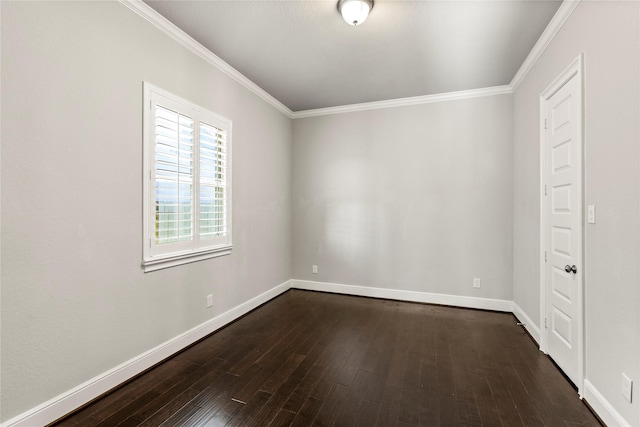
(314, 269)
(209, 300)
(476, 282)
(627, 387)
(591, 214)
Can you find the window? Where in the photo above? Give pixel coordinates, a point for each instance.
(187, 182)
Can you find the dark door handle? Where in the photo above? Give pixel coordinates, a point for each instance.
(571, 269)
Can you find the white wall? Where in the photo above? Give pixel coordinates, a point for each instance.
(75, 302)
(414, 198)
(608, 35)
(420, 198)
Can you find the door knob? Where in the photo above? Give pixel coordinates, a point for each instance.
(571, 269)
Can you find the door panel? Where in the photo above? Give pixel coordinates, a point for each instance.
(561, 199)
(563, 225)
(561, 284)
(561, 327)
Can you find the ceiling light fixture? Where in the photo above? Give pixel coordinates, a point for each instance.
(355, 12)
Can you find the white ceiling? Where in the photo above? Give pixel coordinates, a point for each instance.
(303, 53)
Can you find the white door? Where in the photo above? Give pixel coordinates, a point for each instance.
(562, 145)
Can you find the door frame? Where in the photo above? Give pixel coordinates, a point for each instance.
(575, 69)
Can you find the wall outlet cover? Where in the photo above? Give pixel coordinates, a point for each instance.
(627, 387)
(591, 214)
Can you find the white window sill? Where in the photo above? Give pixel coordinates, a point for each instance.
(166, 261)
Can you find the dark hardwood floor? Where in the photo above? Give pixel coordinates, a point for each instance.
(315, 359)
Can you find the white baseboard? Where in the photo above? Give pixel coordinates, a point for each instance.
(528, 324)
(602, 407)
(80, 395)
(413, 296)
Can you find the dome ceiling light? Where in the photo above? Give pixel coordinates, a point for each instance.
(355, 12)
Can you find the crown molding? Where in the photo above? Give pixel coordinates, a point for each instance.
(166, 26)
(403, 102)
(149, 14)
(557, 22)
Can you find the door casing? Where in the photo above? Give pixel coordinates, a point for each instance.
(576, 69)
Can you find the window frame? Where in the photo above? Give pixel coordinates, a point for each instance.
(158, 256)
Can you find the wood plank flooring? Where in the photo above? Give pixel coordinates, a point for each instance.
(316, 359)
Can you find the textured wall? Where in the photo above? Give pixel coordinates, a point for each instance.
(413, 198)
(75, 301)
(608, 34)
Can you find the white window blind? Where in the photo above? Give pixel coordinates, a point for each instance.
(187, 185)
(213, 181)
(174, 176)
